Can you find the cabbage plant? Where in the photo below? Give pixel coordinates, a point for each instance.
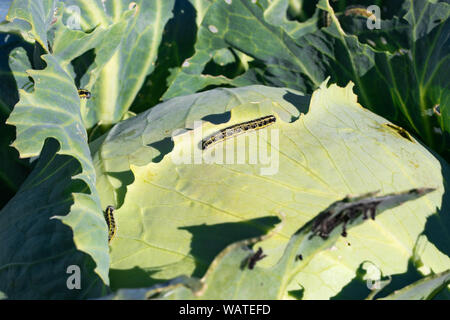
(215, 149)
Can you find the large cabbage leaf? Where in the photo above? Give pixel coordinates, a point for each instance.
(171, 220)
(234, 275)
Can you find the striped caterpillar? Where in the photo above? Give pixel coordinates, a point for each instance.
(237, 129)
(109, 217)
(84, 94)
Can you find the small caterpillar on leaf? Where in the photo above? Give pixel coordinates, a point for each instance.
(237, 129)
(109, 217)
(84, 94)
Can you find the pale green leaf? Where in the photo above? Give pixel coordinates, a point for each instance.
(233, 265)
(234, 274)
(169, 213)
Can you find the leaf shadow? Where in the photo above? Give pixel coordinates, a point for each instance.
(81, 65)
(437, 226)
(297, 294)
(218, 118)
(402, 280)
(135, 277)
(126, 178)
(357, 288)
(41, 248)
(9, 92)
(164, 146)
(300, 102)
(9, 95)
(209, 240)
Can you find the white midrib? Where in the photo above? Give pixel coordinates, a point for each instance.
(109, 88)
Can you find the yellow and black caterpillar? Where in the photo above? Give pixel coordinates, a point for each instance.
(237, 129)
(84, 94)
(109, 217)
